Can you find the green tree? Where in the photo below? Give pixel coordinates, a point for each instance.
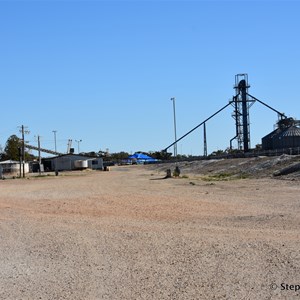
(118, 156)
(11, 150)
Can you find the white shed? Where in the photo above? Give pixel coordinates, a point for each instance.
(12, 167)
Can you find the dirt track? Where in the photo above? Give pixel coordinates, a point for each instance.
(127, 234)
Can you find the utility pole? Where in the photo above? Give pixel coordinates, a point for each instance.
(205, 141)
(54, 131)
(174, 113)
(23, 131)
(40, 160)
(23, 150)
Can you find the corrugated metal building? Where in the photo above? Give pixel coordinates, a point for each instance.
(69, 162)
(287, 135)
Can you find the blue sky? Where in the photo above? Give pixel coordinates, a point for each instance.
(104, 71)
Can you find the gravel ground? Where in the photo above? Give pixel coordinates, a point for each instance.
(128, 234)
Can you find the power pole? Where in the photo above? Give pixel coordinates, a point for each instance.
(23, 151)
(40, 160)
(23, 131)
(174, 115)
(205, 141)
(54, 131)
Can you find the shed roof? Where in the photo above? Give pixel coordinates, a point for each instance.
(79, 156)
(9, 161)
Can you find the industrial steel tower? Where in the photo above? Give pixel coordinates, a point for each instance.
(241, 104)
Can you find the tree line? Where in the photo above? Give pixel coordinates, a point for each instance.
(14, 145)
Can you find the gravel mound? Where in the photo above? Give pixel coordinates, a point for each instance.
(255, 167)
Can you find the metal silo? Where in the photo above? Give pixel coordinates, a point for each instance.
(267, 141)
(288, 138)
(287, 135)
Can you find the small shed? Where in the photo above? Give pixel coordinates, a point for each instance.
(12, 167)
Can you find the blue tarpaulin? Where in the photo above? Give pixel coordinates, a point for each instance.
(140, 158)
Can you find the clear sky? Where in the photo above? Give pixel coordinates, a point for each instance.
(104, 71)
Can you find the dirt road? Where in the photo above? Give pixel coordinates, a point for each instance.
(127, 234)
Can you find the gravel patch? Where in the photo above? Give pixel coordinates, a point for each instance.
(127, 234)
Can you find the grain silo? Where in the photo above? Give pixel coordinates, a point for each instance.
(285, 136)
